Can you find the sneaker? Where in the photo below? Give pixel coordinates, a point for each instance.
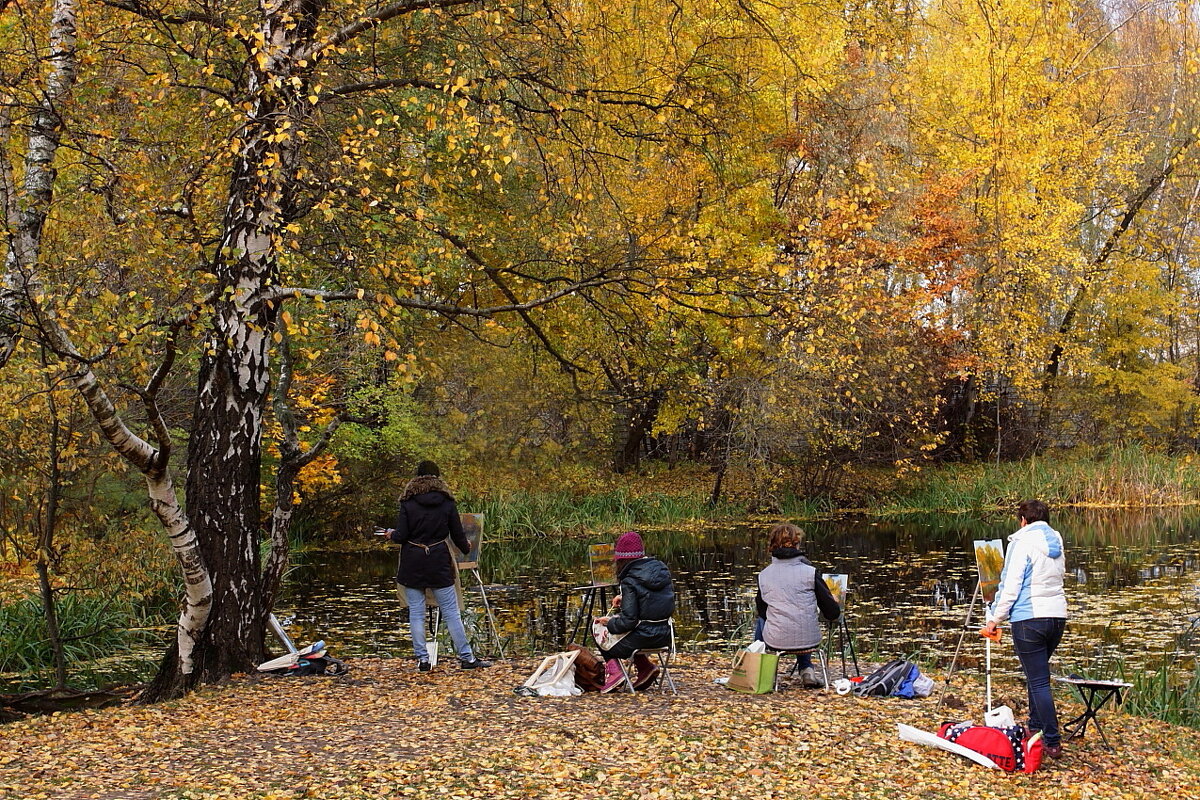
(474, 663)
(614, 676)
(424, 666)
(808, 678)
(1053, 750)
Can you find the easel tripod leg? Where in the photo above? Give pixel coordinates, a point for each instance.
(586, 606)
(850, 641)
(958, 647)
(488, 608)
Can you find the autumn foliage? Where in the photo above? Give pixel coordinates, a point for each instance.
(380, 732)
(264, 254)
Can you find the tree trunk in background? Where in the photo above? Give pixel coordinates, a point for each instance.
(292, 459)
(634, 421)
(45, 553)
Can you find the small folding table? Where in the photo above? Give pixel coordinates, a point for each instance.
(1095, 694)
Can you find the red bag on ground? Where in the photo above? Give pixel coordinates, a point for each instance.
(589, 670)
(1012, 749)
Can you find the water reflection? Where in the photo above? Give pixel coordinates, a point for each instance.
(1132, 585)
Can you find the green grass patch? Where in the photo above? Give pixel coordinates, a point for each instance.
(1127, 476)
(518, 514)
(1170, 694)
(91, 628)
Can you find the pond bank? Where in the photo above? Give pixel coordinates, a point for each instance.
(387, 731)
(1127, 478)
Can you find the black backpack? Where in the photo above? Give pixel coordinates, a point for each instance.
(883, 681)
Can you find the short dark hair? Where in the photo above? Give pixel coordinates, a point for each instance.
(1034, 511)
(428, 468)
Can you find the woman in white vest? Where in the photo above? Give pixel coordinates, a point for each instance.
(791, 595)
(1031, 597)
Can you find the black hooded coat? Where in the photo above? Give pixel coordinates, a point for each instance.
(426, 523)
(647, 603)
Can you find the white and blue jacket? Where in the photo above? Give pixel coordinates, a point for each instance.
(1031, 583)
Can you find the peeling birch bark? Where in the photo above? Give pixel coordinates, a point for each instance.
(27, 209)
(25, 212)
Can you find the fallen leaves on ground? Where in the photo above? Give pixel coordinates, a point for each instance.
(387, 731)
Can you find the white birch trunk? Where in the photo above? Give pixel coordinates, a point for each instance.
(25, 212)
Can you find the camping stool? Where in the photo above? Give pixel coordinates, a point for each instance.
(819, 651)
(1095, 694)
(664, 655)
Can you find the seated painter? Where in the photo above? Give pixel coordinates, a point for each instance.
(792, 597)
(641, 613)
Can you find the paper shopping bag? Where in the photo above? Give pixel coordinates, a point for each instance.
(753, 673)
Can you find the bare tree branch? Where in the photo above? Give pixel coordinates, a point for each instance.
(143, 9)
(374, 20)
(1102, 256)
(277, 293)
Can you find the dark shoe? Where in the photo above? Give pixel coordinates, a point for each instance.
(424, 666)
(474, 663)
(1053, 750)
(647, 671)
(646, 678)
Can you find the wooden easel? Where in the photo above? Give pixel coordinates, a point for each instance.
(587, 605)
(476, 520)
(958, 647)
(474, 570)
(435, 614)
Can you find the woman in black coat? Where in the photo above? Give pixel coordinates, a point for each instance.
(642, 611)
(426, 523)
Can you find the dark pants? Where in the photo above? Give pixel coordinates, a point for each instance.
(803, 660)
(636, 640)
(1035, 641)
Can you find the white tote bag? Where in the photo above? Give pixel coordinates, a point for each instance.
(555, 676)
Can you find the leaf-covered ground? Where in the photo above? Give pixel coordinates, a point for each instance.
(387, 731)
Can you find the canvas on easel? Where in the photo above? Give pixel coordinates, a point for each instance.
(989, 559)
(473, 528)
(838, 586)
(600, 560)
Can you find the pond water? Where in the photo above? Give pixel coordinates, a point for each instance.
(1133, 587)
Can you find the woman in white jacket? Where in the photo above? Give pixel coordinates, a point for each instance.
(1031, 596)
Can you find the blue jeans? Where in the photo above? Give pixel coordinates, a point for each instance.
(1035, 641)
(447, 600)
(803, 660)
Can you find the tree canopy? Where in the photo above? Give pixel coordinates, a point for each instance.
(265, 248)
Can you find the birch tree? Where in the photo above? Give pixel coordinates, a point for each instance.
(235, 169)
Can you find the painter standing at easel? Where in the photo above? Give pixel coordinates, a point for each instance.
(1031, 596)
(426, 523)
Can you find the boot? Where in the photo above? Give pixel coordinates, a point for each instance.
(613, 677)
(647, 671)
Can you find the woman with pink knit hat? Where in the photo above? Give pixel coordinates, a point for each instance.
(642, 611)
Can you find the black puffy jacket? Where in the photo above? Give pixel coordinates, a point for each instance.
(428, 516)
(647, 599)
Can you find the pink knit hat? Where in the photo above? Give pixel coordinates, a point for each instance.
(629, 545)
